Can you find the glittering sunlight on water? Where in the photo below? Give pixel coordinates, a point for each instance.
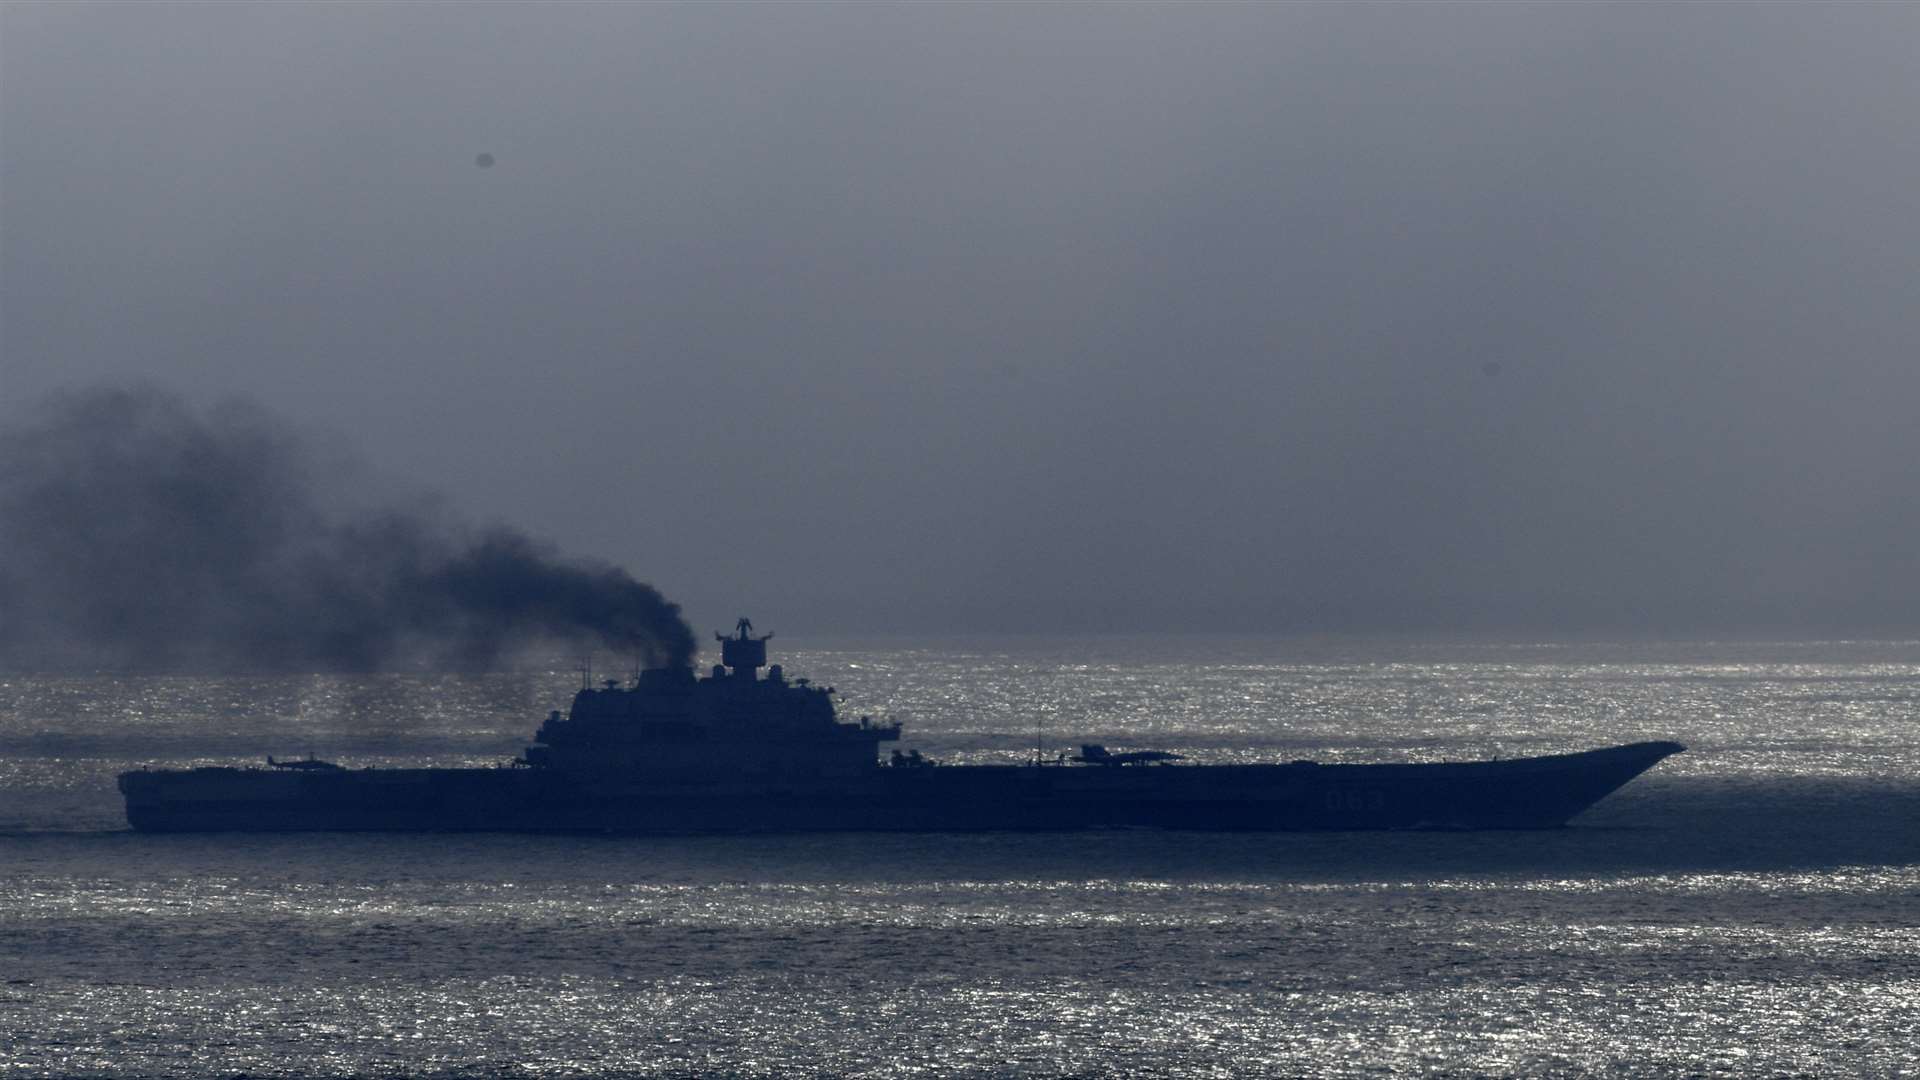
(1745, 909)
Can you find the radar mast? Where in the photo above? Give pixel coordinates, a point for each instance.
(743, 652)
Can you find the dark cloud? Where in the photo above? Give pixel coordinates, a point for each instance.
(139, 532)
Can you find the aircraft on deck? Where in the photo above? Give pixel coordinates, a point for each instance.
(311, 762)
(1095, 754)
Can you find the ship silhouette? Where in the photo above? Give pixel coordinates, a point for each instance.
(735, 751)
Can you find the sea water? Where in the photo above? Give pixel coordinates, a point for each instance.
(1747, 908)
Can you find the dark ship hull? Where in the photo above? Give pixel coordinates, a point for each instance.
(735, 752)
(1524, 793)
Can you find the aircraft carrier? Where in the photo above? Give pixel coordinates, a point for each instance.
(735, 751)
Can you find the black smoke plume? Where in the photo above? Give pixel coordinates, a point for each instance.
(137, 532)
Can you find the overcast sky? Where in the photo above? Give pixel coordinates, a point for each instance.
(1492, 318)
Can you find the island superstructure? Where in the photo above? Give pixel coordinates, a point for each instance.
(736, 751)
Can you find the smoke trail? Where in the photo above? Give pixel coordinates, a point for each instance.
(139, 533)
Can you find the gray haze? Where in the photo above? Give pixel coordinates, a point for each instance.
(1511, 319)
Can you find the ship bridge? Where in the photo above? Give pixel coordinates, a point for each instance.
(731, 720)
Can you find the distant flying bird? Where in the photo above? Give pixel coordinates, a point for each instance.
(485, 161)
